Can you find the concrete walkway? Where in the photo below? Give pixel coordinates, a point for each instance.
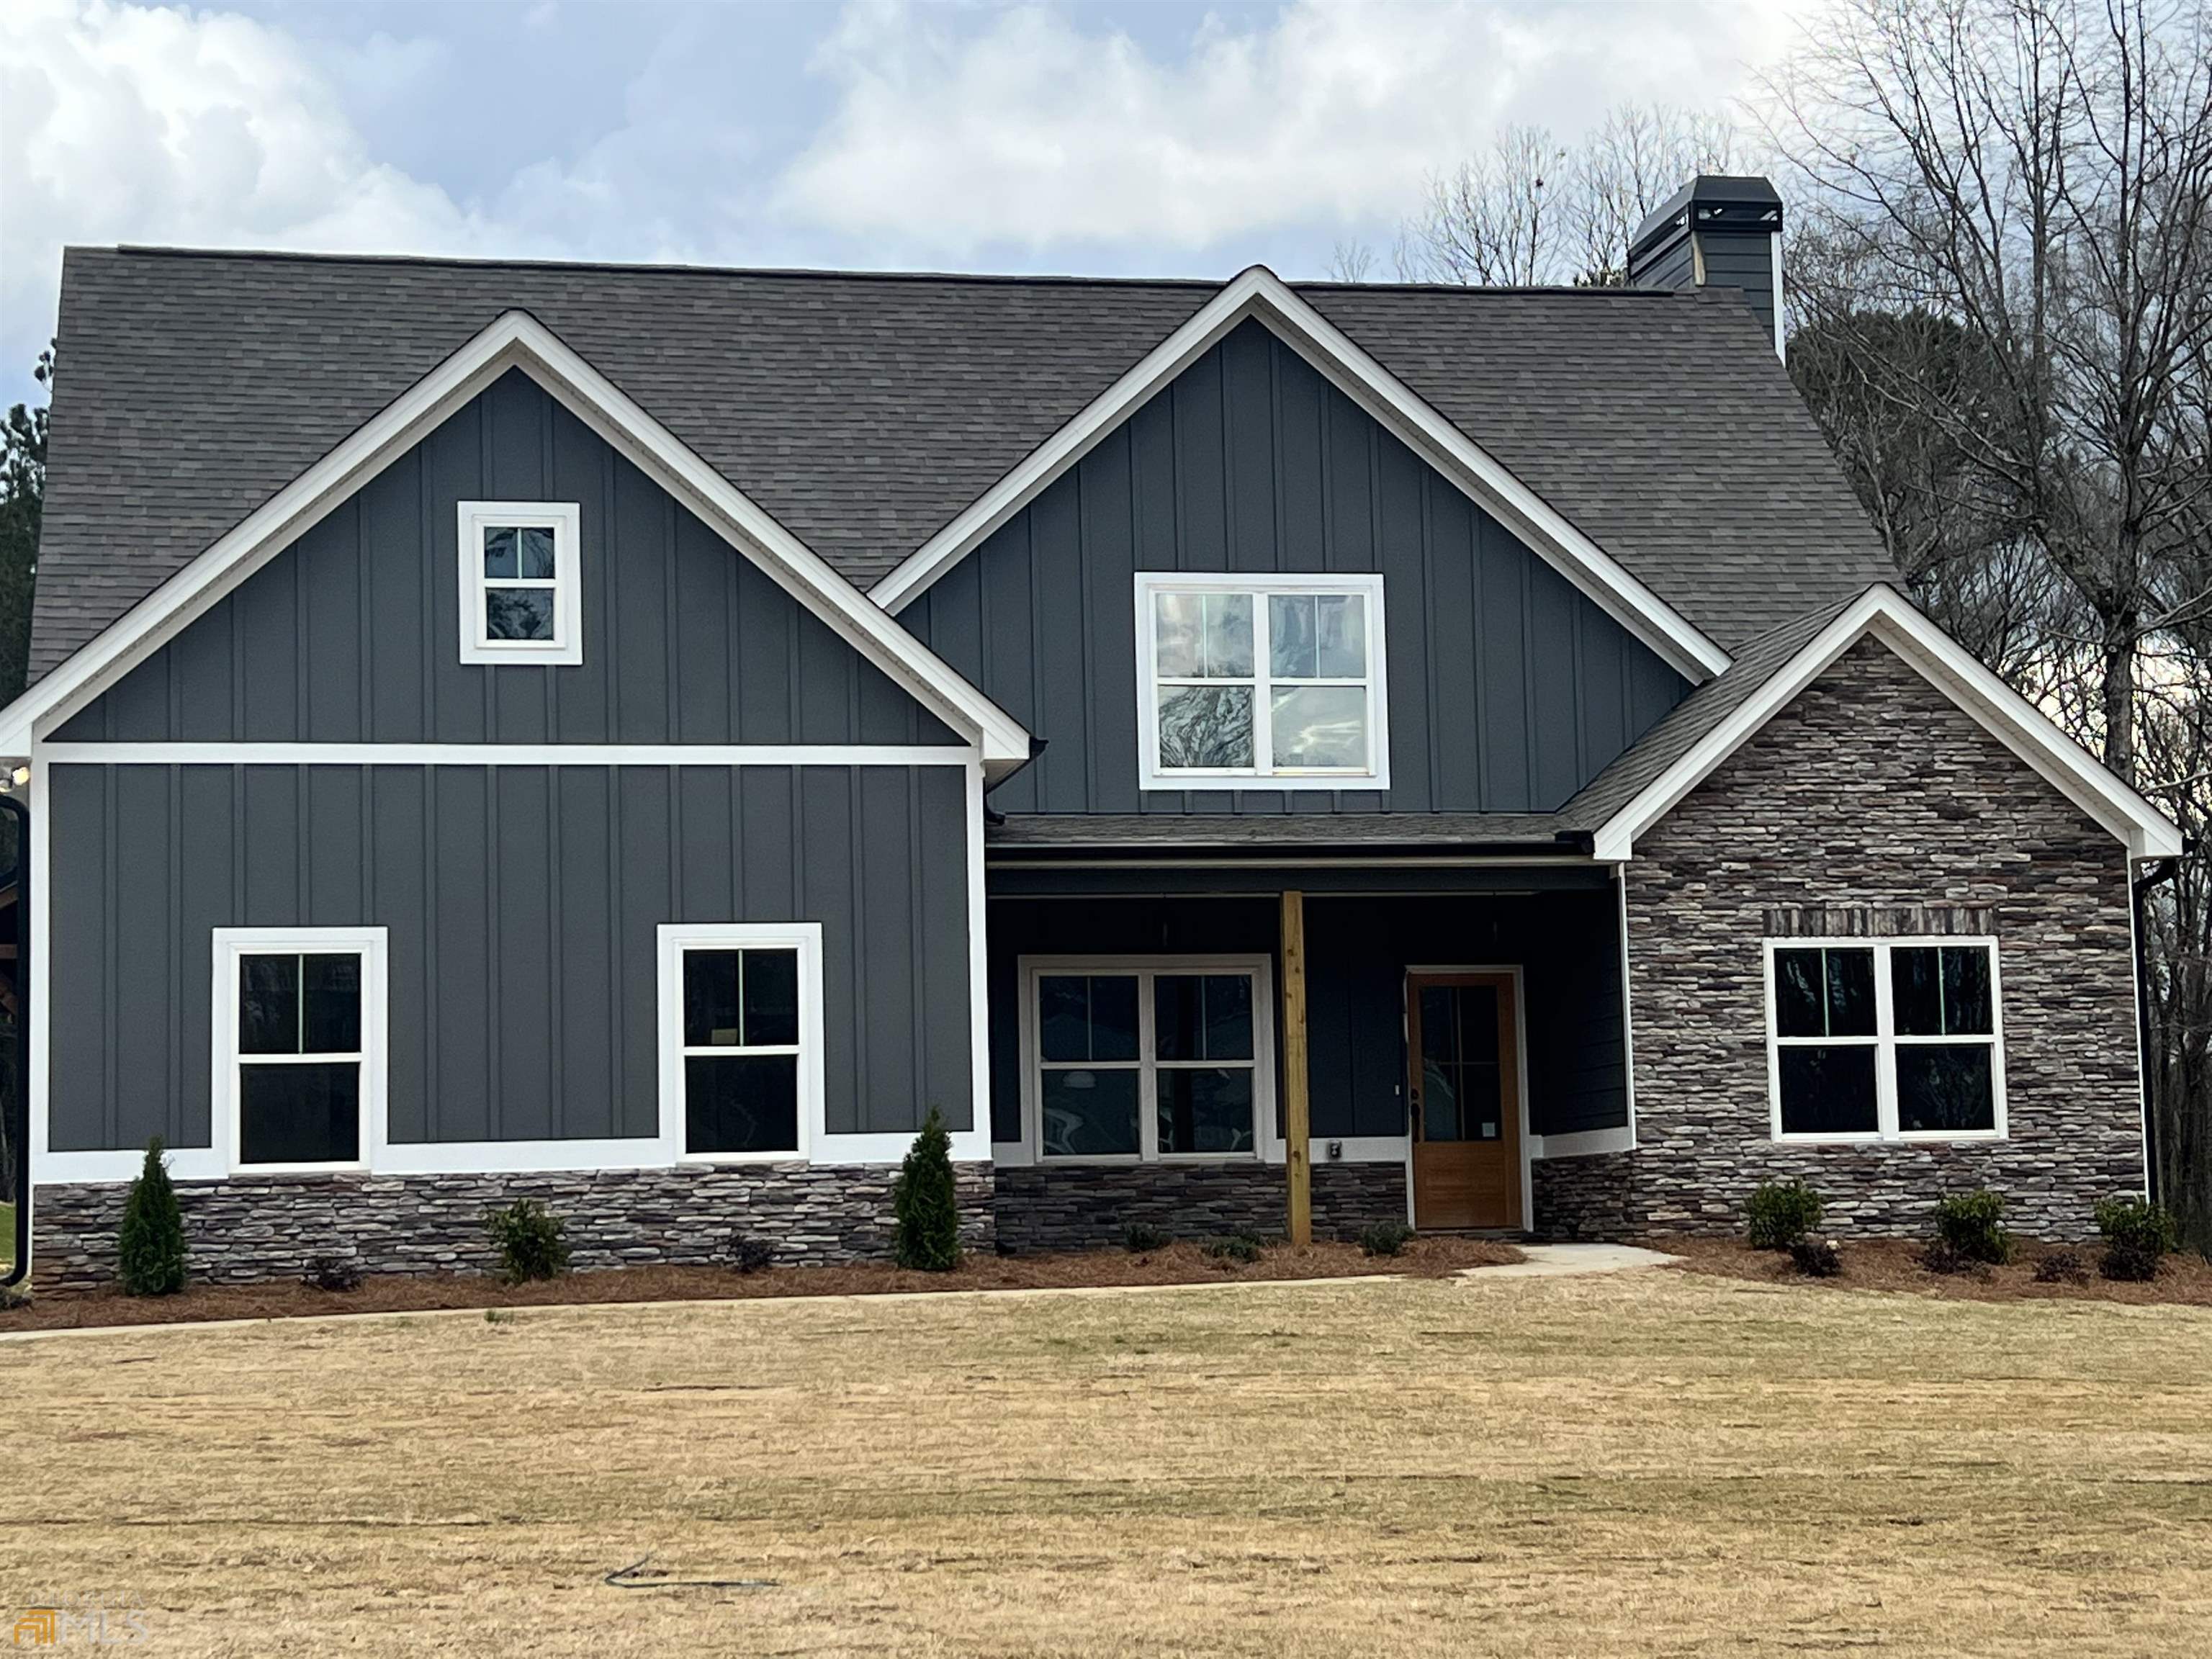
(1561, 1260)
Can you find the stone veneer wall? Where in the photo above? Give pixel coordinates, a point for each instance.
(270, 1227)
(1075, 1206)
(1871, 805)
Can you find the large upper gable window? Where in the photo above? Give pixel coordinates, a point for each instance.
(1254, 682)
(300, 1045)
(1886, 1040)
(520, 582)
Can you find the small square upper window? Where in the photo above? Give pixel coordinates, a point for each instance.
(519, 582)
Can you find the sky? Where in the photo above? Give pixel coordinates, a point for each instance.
(1158, 139)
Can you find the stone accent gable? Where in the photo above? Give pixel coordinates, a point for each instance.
(1871, 805)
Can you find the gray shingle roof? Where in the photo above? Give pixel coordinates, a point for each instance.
(864, 411)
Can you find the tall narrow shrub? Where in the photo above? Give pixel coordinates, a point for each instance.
(151, 1253)
(924, 1203)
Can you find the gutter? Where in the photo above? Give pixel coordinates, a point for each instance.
(19, 1108)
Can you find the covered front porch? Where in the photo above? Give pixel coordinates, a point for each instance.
(1204, 1045)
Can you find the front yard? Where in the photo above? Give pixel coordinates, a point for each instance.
(1655, 1462)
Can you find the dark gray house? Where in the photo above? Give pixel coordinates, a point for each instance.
(643, 737)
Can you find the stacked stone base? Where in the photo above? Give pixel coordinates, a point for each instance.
(1872, 1192)
(1084, 1206)
(243, 1230)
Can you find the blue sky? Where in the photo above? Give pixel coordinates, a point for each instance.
(1158, 138)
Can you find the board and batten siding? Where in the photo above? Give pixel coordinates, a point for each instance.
(351, 634)
(1508, 689)
(522, 903)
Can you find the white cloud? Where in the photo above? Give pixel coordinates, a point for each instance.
(1026, 130)
(120, 124)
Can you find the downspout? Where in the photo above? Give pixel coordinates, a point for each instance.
(2138, 896)
(19, 1108)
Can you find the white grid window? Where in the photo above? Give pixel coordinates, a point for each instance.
(519, 582)
(1885, 1040)
(741, 1040)
(1245, 681)
(299, 1046)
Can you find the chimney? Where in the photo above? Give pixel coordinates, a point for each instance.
(1716, 231)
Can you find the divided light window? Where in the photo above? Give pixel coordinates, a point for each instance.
(1245, 681)
(1887, 1039)
(519, 582)
(299, 1022)
(1139, 1062)
(742, 1040)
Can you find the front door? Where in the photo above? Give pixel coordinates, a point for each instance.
(1464, 1093)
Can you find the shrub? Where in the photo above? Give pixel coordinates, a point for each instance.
(1816, 1258)
(151, 1250)
(1384, 1237)
(1969, 1223)
(2135, 1224)
(748, 1255)
(2061, 1267)
(1780, 1212)
(1944, 1257)
(2131, 1263)
(1237, 1247)
(1142, 1238)
(527, 1236)
(331, 1271)
(925, 1205)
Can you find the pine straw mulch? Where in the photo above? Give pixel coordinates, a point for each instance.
(1894, 1264)
(1175, 1264)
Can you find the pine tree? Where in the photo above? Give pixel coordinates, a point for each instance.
(153, 1241)
(925, 1204)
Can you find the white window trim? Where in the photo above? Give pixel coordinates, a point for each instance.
(1885, 1042)
(1261, 774)
(1267, 1140)
(805, 937)
(233, 943)
(564, 519)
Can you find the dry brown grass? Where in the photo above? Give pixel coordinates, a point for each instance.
(1652, 1464)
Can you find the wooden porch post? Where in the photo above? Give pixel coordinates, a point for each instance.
(1295, 1123)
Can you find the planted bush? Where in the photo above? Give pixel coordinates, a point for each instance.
(1816, 1258)
(748, 1255)
(1971, 1224)
(2061, 1267)
(1237, 1247)
(1385, 1238)
(528, 1237)
(1142, 1238)
(2138, 1225)
(150, 1251)
(1780, 1212)
(332, 1272)
(925, 1203)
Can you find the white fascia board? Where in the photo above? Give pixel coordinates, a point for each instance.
(1952, 669)
(1260, 293)
(515, 340)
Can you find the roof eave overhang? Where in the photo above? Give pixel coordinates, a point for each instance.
(1259, 293)
(1885, 614)
(514, 340)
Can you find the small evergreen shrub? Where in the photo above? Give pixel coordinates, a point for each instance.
(2061, 1267)
(2129, 1263)
(1816, 1258)
(331, 1271)
(1944, 1257)
(925, 1204)
(748, 1255)
(1780, 1212)
(2136, 1225)
(1970, 1223)
(528, 1237)
(151, 1249)
(1384, 1237)
(1237, 1247)
(1142, 1238)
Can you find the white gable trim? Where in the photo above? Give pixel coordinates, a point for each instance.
(1952, 669)
(1260, 293)
(516, 340)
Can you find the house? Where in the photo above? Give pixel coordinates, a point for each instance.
(1251, 755)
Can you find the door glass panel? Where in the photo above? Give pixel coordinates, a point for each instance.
(1461, 1088)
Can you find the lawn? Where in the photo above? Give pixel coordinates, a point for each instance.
(1651, 1463)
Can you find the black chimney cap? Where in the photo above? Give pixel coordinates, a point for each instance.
(1722, 201)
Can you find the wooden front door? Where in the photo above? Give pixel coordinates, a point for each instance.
(1464, 1093)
